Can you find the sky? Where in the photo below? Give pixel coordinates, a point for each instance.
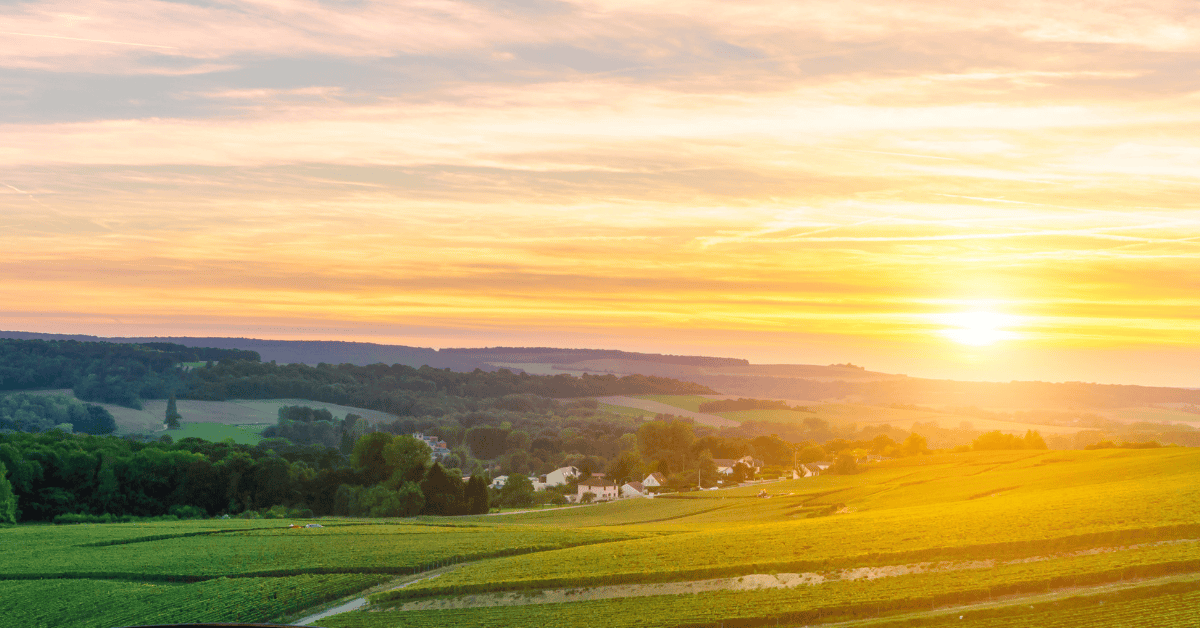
(932, 188)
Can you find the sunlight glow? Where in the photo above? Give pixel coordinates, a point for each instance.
(977, 329)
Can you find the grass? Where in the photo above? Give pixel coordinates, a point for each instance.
(952, 507)
(233, 412)
(217, 432)
(106, 603)
(624, 410)
(208, 549)
(974, 534)
(685, 402)
(831, 601)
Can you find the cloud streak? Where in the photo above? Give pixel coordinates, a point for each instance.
(768, 177)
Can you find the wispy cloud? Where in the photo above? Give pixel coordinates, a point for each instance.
(774, 174)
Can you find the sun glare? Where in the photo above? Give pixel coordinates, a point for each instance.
(977, 329)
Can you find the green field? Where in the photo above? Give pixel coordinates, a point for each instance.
(216, 432)
(251, 412)
(1001, 539)
(686, 402)
(861, 415)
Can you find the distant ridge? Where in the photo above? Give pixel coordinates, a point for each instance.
(364, 353)
(550, 355)
(295, 351)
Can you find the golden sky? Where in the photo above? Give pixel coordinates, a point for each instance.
(931, 188)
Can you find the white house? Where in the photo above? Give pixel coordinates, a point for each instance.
(724, 465)
(632, 489)
(751, 462)
(809, 469)
(654, 480)
(604, 490)
(560, 476)
(499, 481)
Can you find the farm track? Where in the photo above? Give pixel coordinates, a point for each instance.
(360, 599)
(750, 582)
(1028, 601)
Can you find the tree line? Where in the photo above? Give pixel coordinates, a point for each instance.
(24, 412)
(125, 374)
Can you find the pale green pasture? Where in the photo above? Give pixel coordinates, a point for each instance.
(950, 507)
(217, 432)
(624, 411)
(685, 402)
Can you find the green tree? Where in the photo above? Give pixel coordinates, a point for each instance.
(844, 464)
(407, 457)
(173, 416)
(915, 444)
(707, 469)
(627, 466)
(443, 492)
(1033, 440)
(412, 501)
(476, 495)
(8, 500)
(367, 457)
(517, 491)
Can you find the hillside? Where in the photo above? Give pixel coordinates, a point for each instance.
(731, 376)
(1001, 539)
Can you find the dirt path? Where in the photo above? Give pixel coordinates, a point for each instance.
(361, 601)
(520, 512)
(742, 583)
(662, 408)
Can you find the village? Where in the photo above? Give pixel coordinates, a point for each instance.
(595, 487)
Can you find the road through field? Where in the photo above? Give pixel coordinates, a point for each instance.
(751, 582)
(662, 408)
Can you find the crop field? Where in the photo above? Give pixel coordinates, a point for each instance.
(1002, 539)
(258, 412)
(196, 550)
(970, 506)
(246, 434)
(846, 413)
(834, 602)
(89, 603)
(624, 410)
(686, 402)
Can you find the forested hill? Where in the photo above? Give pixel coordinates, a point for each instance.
(301, 351)
(548, 355)
(124, 374)
(406, 391)
(363, 353)
(100, 371)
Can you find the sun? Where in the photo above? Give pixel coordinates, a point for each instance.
(977, 329)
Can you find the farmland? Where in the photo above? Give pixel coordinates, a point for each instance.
(1051, 538)
(252, 415)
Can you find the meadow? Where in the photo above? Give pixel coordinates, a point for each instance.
(845, 414)
(1049, 538)
(248, 416)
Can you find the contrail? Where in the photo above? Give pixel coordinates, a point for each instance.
(31, 196)
(98, 41)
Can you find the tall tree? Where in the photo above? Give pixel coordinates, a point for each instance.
(443, 493)
(8, 501)
(172, 414)
(406, 457)
(367, 458)
(476, 495)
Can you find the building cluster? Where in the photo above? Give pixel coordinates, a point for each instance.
(603, 489)
(438, 446)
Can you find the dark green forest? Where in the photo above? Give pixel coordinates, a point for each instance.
(125, 374)
(25, 412)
